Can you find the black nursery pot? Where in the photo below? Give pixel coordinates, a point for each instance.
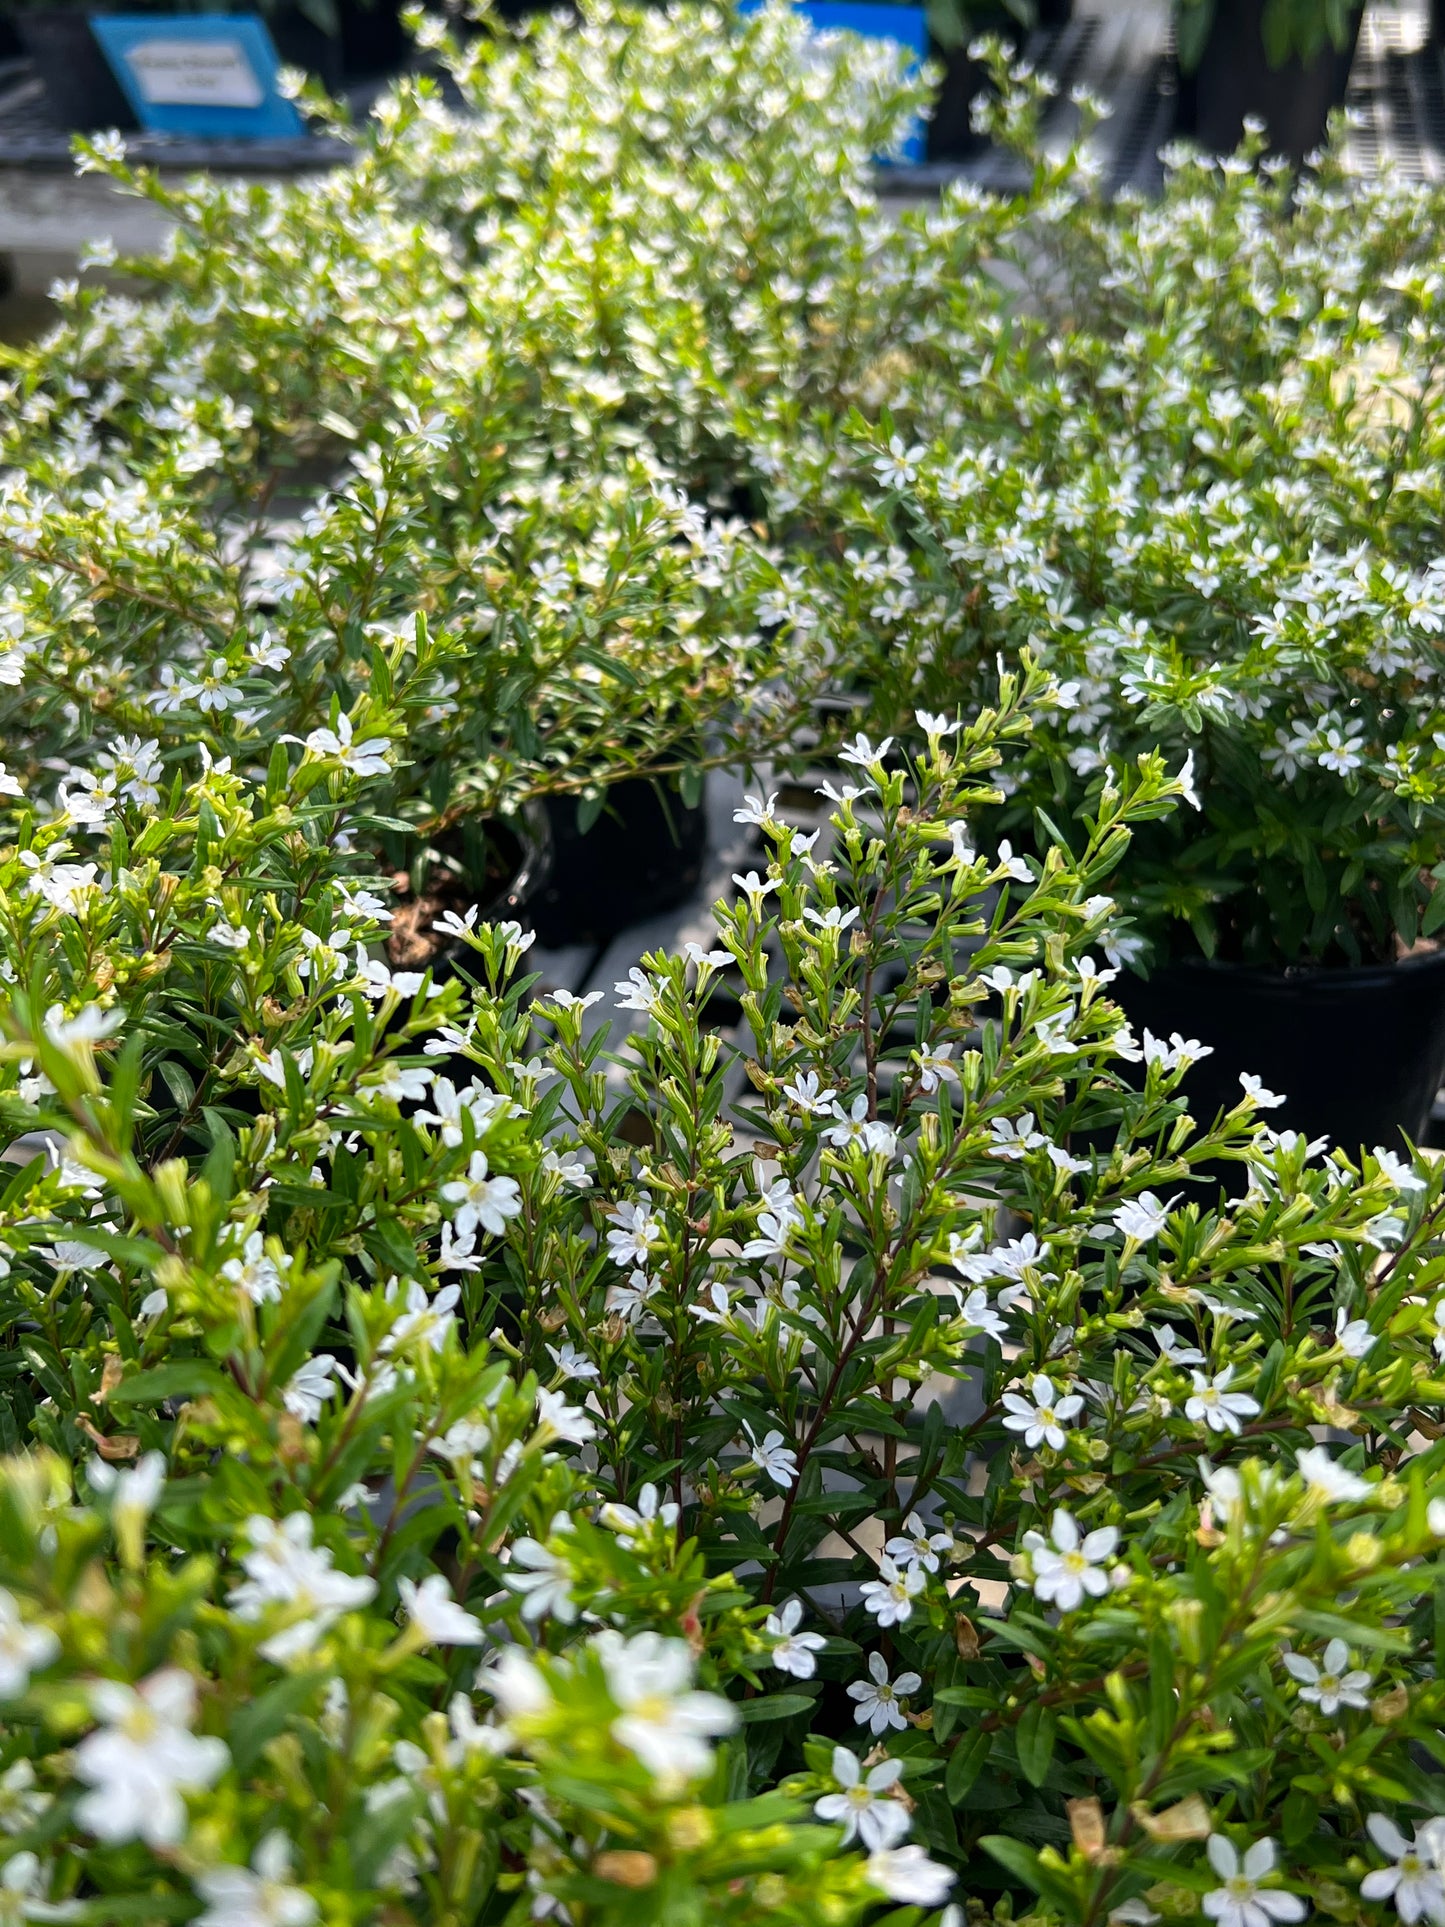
(499, 865)
(1359, 1054)
(644, 854)
(1234, 79)
(79, 85)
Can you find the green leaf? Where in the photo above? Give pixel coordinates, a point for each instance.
(264, 1717)
(778, 1706)
(1036, 1735)
(965, 1763)
(184, 1379)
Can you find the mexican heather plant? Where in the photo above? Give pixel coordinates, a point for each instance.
(1189, 451)
(471, 1461)
(487, 375)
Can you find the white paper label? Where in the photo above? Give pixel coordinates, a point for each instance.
(194, 73)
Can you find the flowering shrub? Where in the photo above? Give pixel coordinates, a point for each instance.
(1189, 452)
(470, 1462)
(487, 375)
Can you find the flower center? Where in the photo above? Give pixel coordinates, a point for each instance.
(1240, 1887)
(140, 1724)
(653, 1707)
(859, 1796)
(1075, 1562)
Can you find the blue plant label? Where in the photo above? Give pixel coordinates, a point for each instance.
(208, 76)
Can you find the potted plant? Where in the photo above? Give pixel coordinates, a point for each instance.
(595, 614)
(415, 1500)
(1191, 475)
(1283, 62)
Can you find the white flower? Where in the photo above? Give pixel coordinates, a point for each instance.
(21, 1803)
(436, 1615)
(916, 1546)
(361, 759)
(849, 793)
(1328, 1481)
(934, 726)
(258, 1896)
(858, 1807)
(629, 1300)
(23, 1649)
(1241, 1901)
(1179, 1050)
(1353, 1335)
(1329, 1686)
(1012, 866)
(962, 852)
(637, 993)
(254, 1273)
(634, 1232)
(1172, 1350)
(139, 1763)
(1415, 1882)
(518, 1686)
(793, 1651)
(776, 1228)
(1013, 1141)
(890, 1596)
(1341, 752)
(132, 1496)
(481, 1200)
(755, 889)
(899, 466)
(75, 1035)
(545, 1582)
(1215, 1407)
(879, 1697)
(23, 1881)
(556, 1419)
(661, 1719)
(854, 1126)
(933, 1066)
(835, 919)
(907, 1875)
(425, 1321)
(1143, 1218)
(1400, 1174)
(807, 1093)
(1068, 1569)
(310, 1388)
(651, 1509)
(283, 1569)
(755, 811)
(778, 1459)
(1185, 780)
(1043, 1420)
(404, 1083)
(1254, 1089)
(976, 1310)
(863, 753)
(571, 1363)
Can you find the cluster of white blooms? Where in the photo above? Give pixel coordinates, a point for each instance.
(479, 1461)
(1197, 475)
